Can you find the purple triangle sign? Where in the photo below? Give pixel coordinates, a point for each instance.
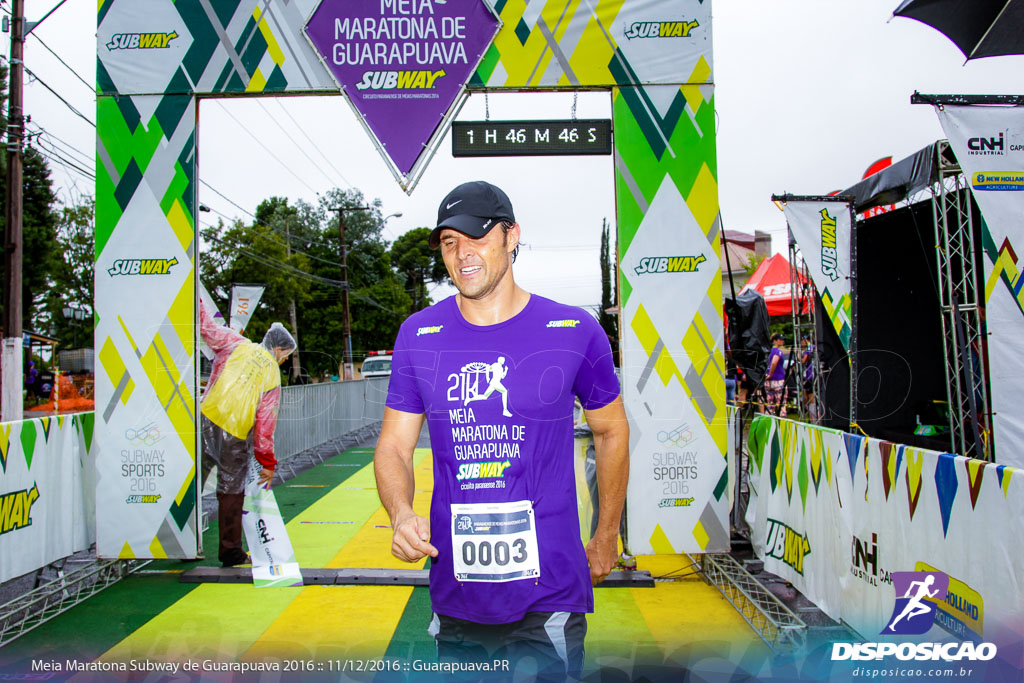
(403, 64)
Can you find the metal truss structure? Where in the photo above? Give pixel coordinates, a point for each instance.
(961, 297)
(68, 589)
(776, 624)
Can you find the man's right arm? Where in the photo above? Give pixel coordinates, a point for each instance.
(219, 338)
(393, 468)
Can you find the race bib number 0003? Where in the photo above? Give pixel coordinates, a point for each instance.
(494, 542)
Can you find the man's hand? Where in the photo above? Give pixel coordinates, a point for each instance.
(411, 539)
(601, 554)
(266, 476)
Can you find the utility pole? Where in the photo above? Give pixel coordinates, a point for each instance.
(12, 353)
(348, 372)
(296, 362)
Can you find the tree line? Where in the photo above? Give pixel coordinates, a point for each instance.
(295, 251)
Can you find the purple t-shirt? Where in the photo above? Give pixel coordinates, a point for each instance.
(498, 401)
(780, 367)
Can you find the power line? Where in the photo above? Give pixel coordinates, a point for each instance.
(84, 82)
(260, 143)
(60, 97)
(274, 263)
(85, 158)
(311, 142)
(53, 149)
(61, 161)
(267, 237)
(259, 222)
(299, 147)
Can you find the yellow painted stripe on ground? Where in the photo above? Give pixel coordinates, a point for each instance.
(617, 630)
(689, 618)
(222, 621)
(334, 622)
(214, 621)
(360, 619)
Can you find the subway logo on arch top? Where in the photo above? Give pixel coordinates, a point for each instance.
(430, 329)
(142, 266)
(661, 29)
(562, 323)
(420, 79)
(670, 264)
(141, 41)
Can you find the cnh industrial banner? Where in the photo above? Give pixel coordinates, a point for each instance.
(842, 516)
(47, 479)
(823, 229)
(158, 58)
(989, 144)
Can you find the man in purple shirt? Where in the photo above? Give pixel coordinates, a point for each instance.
(494, 370)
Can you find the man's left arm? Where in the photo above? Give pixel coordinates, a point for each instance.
(611, 451)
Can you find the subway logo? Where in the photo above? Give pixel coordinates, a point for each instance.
(140, 41)
(669, 264)
(142, 266)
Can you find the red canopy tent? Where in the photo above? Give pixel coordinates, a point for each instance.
(772, 281)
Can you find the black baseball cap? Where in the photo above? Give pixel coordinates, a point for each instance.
(472, 208)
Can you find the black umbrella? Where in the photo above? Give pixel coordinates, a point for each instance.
(980, 28)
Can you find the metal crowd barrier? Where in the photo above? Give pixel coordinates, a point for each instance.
(313, 414)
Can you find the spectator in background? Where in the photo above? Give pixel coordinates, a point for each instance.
(807, 362)
(775, 382)
(239, 412)
(32, 380)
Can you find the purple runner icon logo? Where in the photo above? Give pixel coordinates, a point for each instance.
(917, 597)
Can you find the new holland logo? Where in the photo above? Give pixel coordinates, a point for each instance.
(670, 264)
(661, 29)
(829, 261)
(399, 80)
(16, 509)
(140, 41)
(1000, 181)
(142, 266)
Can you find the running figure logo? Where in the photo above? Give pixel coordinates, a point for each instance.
(914, 612)
(494, 372)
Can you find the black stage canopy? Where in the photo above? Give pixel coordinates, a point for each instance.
(903, 179)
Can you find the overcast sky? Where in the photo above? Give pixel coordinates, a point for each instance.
(808, 94)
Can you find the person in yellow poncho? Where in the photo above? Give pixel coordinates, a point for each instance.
(239, 412)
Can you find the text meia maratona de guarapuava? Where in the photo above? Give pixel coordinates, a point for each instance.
(404, 33)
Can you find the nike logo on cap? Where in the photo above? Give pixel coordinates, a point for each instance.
(448, 206)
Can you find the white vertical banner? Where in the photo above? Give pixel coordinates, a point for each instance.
(244, 300)
(989, 144)
(822, 229)
(673, 381)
